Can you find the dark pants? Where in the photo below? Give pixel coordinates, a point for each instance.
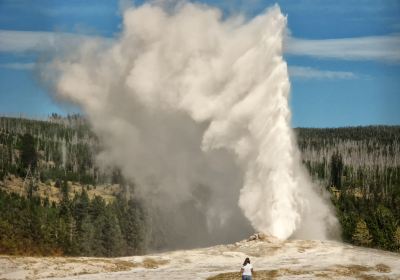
(246, 277)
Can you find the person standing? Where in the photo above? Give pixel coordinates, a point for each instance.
(246, 270)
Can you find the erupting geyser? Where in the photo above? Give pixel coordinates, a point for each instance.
(185, 100)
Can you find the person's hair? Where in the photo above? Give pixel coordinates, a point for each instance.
(246, 261)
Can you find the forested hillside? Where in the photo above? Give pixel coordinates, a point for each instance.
(58, 148)
(55, 200)
(360, 166)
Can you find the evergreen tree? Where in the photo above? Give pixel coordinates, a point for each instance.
(28, 151)
(86, 237)
(336, 170)
(396, 238)
(386, 227)
(361, 235)
(113, 241)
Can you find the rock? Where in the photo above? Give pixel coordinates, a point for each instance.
(262, 237)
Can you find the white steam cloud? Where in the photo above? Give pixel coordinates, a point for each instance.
(194, 109)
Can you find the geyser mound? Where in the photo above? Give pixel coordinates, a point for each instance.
(194, 109)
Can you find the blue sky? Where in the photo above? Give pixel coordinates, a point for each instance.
(343, 55)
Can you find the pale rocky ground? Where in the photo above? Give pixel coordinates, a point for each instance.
(273, 259)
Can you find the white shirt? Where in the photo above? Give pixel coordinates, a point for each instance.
(247, 269)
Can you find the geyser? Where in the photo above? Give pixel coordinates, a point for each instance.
(194, 108)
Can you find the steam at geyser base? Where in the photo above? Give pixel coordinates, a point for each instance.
(193, 108)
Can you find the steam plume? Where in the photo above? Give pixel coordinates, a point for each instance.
(194, 109)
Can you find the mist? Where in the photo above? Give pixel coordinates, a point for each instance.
(193, 108)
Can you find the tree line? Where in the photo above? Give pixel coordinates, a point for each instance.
(360, 166)
(80, 226)
(64, 148)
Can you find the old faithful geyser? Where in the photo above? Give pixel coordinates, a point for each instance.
(194, 107)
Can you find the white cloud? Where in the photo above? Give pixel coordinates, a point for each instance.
(313, 73)
(18, 66)
(378, 48)
(39, 41)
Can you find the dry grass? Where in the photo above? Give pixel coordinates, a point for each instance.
(153, 263)
(382, 268)
(123, 266)
(95, 265)
(225, 276)
(261, 274)
(354, 271)
(13, 184)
